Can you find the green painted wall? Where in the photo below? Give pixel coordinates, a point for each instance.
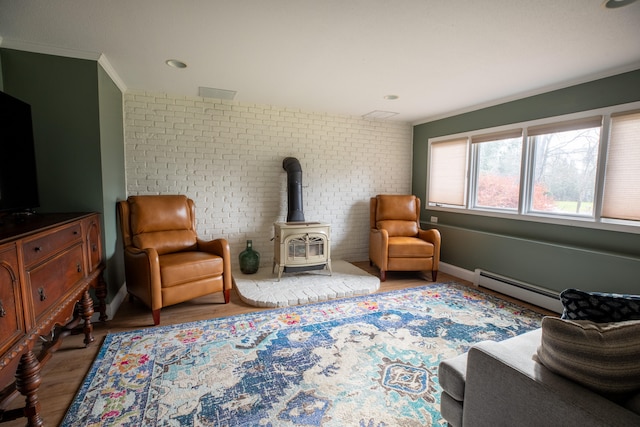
(551, 256)
(113, 174)
(63, 94)
(77, 119)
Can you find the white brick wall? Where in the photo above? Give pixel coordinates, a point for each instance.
(227, 156)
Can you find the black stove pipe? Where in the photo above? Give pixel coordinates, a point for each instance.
(294, 189)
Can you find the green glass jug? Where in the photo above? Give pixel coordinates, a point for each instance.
(249, 259)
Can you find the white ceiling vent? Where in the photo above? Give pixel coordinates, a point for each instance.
(377, 114)
(209, 92)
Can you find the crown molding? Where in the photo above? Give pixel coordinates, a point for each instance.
(100, 58)
(111, 72)
(49, 50)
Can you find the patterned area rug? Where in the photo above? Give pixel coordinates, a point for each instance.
(368, 361)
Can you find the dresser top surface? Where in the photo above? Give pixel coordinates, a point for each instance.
(15, 227)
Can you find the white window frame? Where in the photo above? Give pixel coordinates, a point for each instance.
(524, 211)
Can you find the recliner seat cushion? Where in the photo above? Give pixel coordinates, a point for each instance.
(409, 247)
(184, 267)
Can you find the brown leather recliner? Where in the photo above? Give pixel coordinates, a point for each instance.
(396, 242)
(165, 262)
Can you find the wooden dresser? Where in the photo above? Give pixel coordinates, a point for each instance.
(48, 263)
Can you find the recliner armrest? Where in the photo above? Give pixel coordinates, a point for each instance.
(142, 270)
(379, 247)
(432, 236)
(219, 247)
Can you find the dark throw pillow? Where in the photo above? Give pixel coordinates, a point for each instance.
(599, 307)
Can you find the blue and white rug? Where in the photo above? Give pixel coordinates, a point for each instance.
(367, 361)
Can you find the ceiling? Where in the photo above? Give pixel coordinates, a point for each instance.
(338, 56)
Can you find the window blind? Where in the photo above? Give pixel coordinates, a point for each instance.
(448, 172)
(588, 122)
(622, 178)
(497, 136)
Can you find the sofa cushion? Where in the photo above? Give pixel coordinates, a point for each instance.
(599, 356)
(452, 375)
(599, 307)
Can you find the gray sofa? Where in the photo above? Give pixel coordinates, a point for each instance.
(502, 384)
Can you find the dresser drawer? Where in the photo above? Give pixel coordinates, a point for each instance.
(45, 246)
(11, 321)
(50, 281)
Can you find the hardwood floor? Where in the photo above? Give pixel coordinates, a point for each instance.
(65, 371)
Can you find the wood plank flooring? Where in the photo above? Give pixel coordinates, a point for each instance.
(64, 373)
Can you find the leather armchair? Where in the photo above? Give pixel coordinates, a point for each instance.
(165, 262)
(396, 242)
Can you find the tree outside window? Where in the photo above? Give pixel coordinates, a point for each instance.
(565, 165)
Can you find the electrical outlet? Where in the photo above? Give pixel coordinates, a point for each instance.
(434, 219)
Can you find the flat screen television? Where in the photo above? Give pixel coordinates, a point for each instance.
(18, 179)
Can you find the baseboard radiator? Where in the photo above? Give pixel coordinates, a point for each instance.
(526, 292)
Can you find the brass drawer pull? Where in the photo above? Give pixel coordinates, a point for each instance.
(79, 267)
(43, 296)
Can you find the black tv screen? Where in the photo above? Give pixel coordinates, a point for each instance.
(18, 179)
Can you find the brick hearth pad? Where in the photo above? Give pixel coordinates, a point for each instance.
(263, 289)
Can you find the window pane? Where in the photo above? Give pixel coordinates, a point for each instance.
(564, 173)
(447, 172)
(621, 188)
(498, 173)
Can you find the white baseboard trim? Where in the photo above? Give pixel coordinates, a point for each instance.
(552, 304)
(457, 271)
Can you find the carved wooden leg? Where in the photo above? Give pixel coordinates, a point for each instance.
(156, 317)
(434, 274)
(101, 294)
(27, 382)
(87, 311)
(227, 296)
(383, 275)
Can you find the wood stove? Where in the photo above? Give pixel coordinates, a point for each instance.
(301, 246)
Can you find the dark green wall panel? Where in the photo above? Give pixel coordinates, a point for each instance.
(78, 129)
(63, 93)
(113, 174)
(544, 264)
